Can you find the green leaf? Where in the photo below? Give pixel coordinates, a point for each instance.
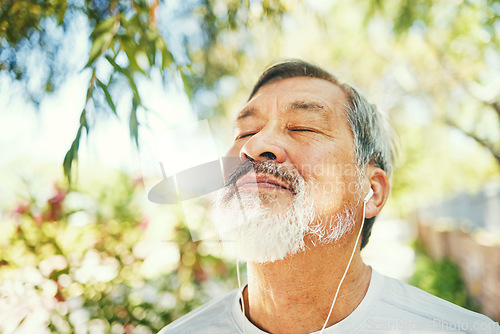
(187, 85)
(107, 95)
(125, 72)
(134, 124)
(151, 53)
(150, 41)
(68, 160)
(72, 155)
(131, 49)
(103, 35)
(166, 56)
(104, 26)
(96, 50)
(61, 12)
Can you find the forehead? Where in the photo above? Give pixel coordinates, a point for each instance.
(302, 93)
(302, 84)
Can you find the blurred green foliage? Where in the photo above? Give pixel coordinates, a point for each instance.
(433, 65)
(80, 260)
(441, 278)
(463, 36)
(128, 43)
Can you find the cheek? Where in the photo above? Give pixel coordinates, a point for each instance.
(331, 185)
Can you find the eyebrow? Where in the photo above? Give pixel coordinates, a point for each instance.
(312, 106)
(246, 113)
(298, 105)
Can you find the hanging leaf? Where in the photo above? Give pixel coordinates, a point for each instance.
(72, 154)
(187, 85)
(103, 35)
(63, 5)
(150, 42)
(166, 56)
(107, 95)
(130, 48)
(104, 26)
(134, 124)
(99, 46)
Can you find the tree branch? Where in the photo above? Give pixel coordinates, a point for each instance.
(495, 106)
(489, 146)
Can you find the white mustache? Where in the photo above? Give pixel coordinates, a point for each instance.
(268, 167)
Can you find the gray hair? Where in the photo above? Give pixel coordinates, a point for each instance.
(373, 138)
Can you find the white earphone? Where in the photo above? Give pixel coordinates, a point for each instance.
(368, 196)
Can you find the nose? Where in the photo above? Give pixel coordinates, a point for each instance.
(263, 145)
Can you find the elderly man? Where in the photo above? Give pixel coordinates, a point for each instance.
(315, 164)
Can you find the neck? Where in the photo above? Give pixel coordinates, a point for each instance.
(294, 295)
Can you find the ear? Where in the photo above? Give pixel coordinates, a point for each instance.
(379, 182)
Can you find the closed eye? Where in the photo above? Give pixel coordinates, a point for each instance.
(303, 130)
(245, 135)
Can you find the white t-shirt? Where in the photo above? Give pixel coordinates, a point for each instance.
(388, 306)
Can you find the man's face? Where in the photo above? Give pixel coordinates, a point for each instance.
(301, 122)
(299, 125)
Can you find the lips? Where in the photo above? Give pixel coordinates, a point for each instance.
(261, 181)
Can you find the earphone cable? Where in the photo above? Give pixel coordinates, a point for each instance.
(346, 269)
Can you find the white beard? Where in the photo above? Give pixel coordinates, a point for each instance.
(330, 229)
(257, 232)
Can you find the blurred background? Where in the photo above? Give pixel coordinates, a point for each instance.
(84, 84)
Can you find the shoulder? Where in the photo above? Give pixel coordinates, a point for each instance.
(214, 315)
(423, 308)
